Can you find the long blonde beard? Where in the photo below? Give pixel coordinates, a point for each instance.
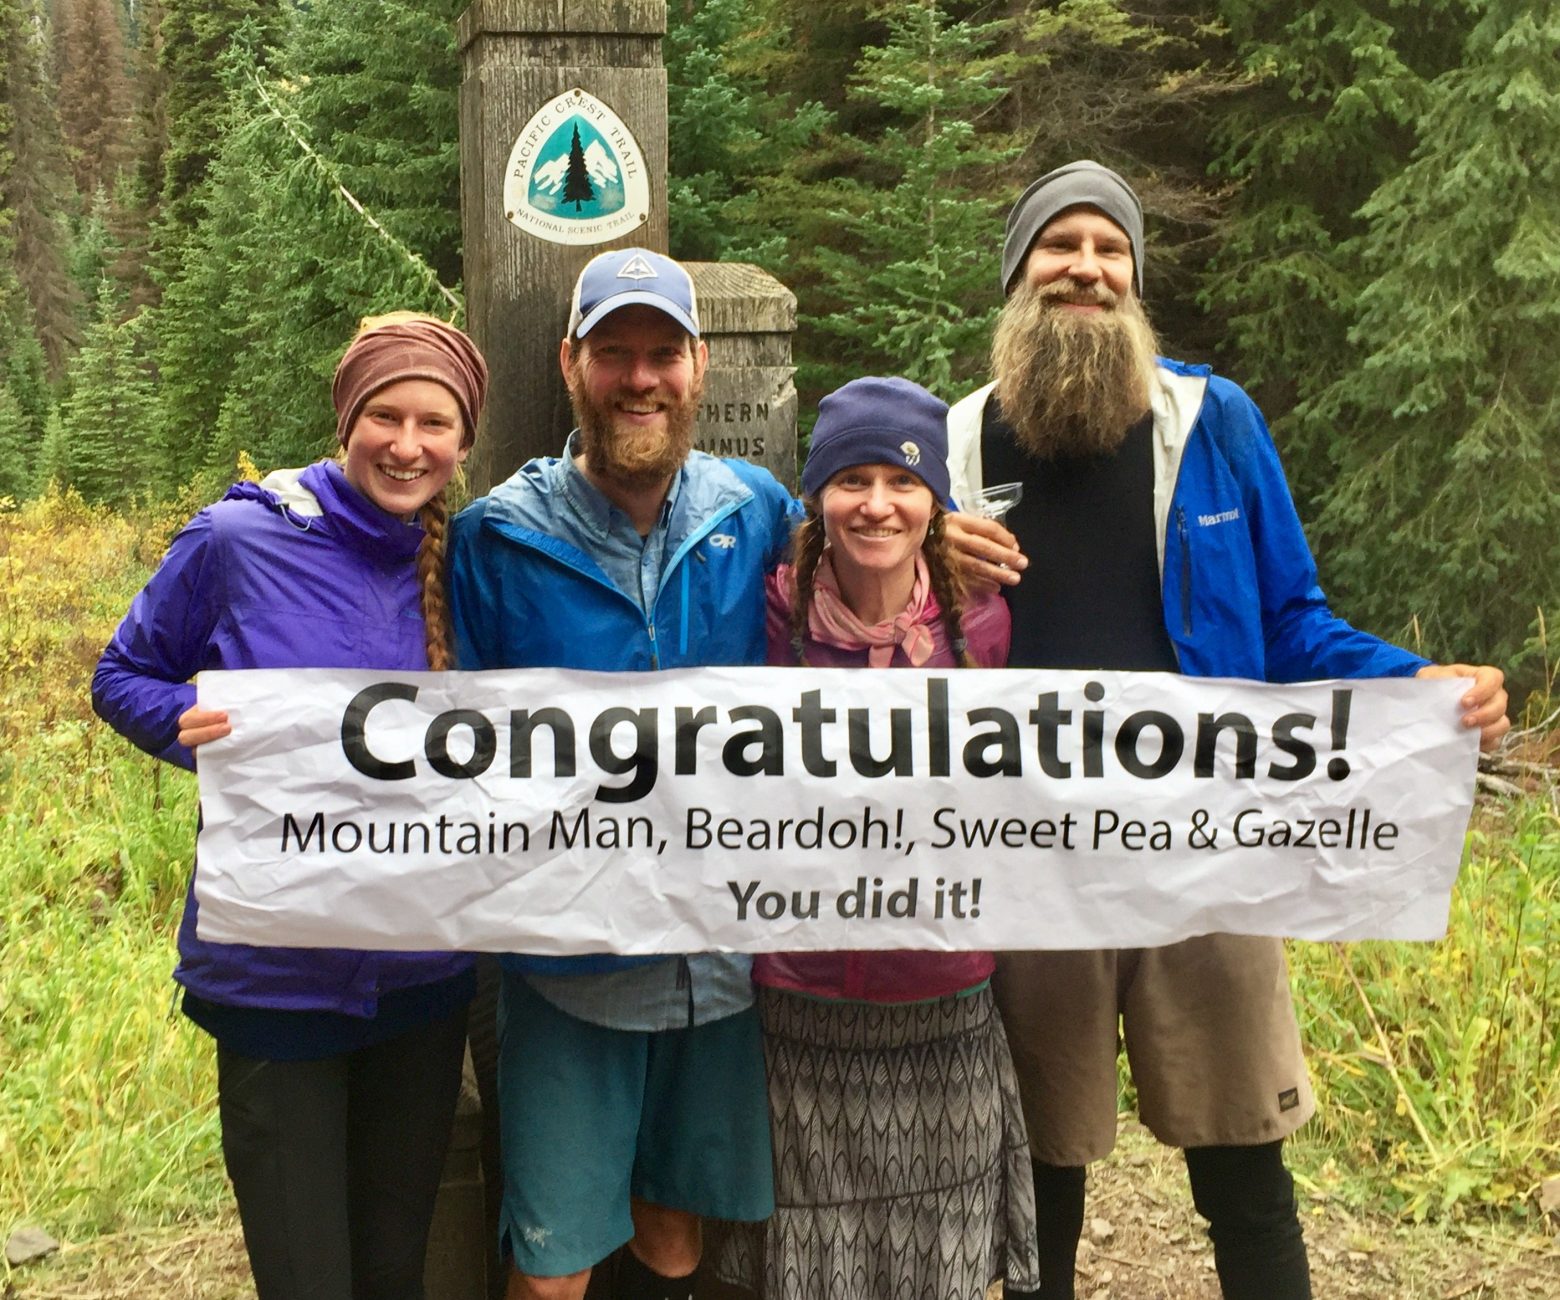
(1072, 383)
(636, 458)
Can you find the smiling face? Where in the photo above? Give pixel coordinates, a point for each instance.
(405, 445)
(875, 518)
(634, 381)
(1084, 246)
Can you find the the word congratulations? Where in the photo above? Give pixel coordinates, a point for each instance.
(1066, 737)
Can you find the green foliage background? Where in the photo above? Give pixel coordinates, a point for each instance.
(1352, 208)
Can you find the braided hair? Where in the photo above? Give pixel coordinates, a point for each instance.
(438, 633)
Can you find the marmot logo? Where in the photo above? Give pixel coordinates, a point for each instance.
(725, 541)
(911, 453)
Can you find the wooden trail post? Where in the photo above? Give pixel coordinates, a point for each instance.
(563, 146)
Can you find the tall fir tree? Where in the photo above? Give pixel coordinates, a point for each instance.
(133, 215)
(1329, 114)
(35, 187)
(108, 426)
(196, 38)
(25, 392)
(737, 135)
(90, 57)
(378, 83)
(270, 286)
(1446, 506)
(16, 455)
(913, 262)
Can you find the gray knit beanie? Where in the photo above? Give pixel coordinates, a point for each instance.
(1079, 183)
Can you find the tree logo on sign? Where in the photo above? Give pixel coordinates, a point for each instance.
(576, 174)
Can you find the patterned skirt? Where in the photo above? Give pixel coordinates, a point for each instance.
(901, 1163)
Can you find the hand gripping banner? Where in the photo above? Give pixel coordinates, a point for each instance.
(772, 809)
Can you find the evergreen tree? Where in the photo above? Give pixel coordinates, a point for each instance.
(1330, 115)
(24, 384)
(577, 188)
(94, 92)
(48, 469)
(378, 83)
(134, 212)
(109, 423)
(735, 140)
(269, 288)
(196, 38)
(34, 188)
(911, 273)
(16, 455)
(91, 253)
(1446, 508)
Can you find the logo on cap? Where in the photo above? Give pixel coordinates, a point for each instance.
(637, 269)
(910, 452)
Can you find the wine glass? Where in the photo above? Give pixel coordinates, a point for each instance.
(995, 501)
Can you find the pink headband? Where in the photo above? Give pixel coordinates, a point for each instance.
(414, 349)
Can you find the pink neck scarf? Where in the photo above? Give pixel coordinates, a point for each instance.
(830, 619)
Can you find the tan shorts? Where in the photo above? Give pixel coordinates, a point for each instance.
(1210, 1033)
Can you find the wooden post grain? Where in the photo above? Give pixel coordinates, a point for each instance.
(515, 55)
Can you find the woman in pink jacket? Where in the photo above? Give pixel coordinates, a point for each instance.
(901, 1163)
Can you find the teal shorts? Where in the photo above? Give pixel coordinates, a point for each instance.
(592, 1116)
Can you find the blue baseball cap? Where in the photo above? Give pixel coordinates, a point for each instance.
(627, 276)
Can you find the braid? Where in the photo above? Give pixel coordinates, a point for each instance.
(807, 549)
(435, 518)
(947, 586)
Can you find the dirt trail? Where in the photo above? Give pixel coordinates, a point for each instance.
(1143, 1242)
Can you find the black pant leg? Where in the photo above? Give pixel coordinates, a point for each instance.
(482, 1038)
(1248, 1198)
(284, 1142)
(1059, 1201)
(401, 1105)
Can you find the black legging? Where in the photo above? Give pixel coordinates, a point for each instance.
(1246, 1195)
(336, 1163)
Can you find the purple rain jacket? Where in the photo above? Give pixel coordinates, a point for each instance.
(893, 975)
(300, 571)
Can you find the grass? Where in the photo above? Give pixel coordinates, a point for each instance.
(1437, 1065)
(105, 1095)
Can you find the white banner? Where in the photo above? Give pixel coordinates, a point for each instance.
(764, 809)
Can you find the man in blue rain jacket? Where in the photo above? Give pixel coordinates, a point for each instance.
(632, 1089)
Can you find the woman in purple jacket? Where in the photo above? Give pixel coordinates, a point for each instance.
(337, 1072)
(901, 1162)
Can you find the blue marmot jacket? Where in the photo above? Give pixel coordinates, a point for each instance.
(522, 598)
(1239, 585)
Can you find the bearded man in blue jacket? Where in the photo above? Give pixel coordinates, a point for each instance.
(632, 1095)
(1155, 532)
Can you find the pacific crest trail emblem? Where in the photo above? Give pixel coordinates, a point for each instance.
(576, 174)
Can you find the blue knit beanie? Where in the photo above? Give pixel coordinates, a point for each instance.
(879, 422)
